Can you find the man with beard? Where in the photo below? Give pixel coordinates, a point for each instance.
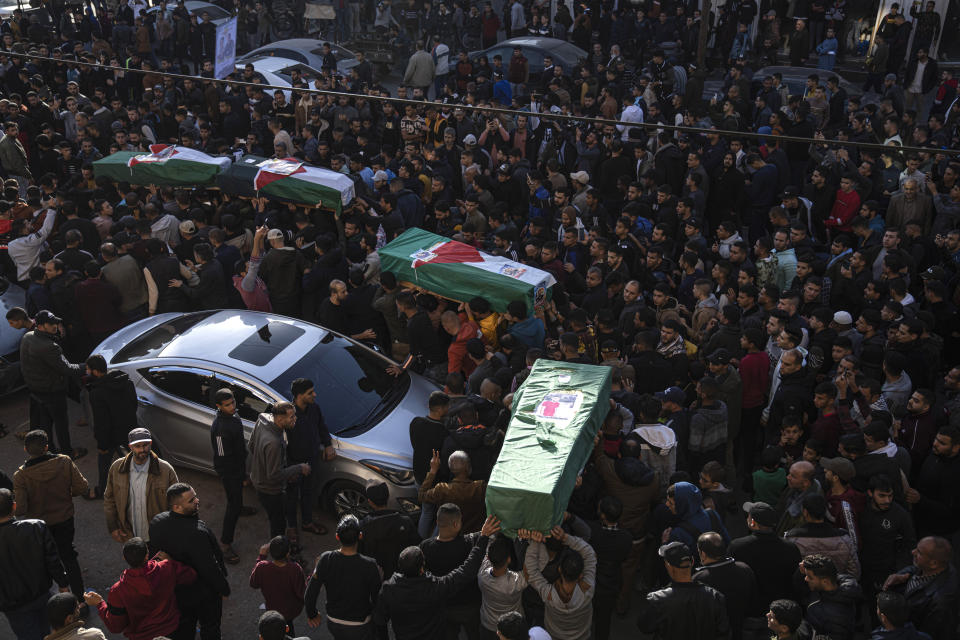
(182, 535)
(886, 536)
(136, 488)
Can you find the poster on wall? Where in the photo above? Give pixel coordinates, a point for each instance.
(226, 48)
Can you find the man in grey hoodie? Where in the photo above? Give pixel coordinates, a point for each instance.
(269, 472)
(708, 426)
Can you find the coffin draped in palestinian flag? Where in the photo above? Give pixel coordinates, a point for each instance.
(557, 412)
(289, 180)
(458, 271)
(165, 165)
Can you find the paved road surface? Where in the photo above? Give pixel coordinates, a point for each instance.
(101, 559)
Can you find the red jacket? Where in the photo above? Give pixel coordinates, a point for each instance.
(845, 208)
(754, 372)
(141, 604)
(457, 359)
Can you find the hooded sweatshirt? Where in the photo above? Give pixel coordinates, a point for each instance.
(529, 331)
(708, 428)
(659, 450)
(269, 472)
(692, 516)
(141, 604)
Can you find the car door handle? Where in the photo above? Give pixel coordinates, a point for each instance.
(143, 400)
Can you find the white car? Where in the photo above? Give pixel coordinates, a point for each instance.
(218, 15)
(277, 71)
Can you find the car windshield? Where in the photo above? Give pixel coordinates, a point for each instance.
(567, 51)
(153, 341)
(351, 382)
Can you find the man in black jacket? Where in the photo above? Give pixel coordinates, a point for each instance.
(733, 579)
(773, 559)
(685, 610)
(113, 401)
(886, 534)
(930, 586)
(833, 609)
(183, 536)
(793, 395)
(230, 463)
(414, 599)
(46, 372)
(386, 532)
(29, 563)
(934, 494)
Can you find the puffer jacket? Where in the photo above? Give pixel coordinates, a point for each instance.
(693, 516)
(269, 472)
(45, 369)
(141, 604)
(823, 538)
(634, 484)
(834, 613)
(116, 496)
(29, 562)
(708, 428)
(45, 487)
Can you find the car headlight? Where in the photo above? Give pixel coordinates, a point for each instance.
(408, 506)
(396, 476)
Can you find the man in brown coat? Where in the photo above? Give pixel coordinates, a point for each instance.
(45, 486)
(136, 488)
(462, 491)
(627, 478)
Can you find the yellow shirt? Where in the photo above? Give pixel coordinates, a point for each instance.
(488, 327)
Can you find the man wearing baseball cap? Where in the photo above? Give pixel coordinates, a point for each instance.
(46, 372)
(685, 609)
(281, 270)
(136, 488)
(773, 559)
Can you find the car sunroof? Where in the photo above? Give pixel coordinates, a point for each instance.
(265, 343)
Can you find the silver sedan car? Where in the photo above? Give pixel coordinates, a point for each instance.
(178, 362)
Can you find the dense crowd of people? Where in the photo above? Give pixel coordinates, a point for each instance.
(780, 319)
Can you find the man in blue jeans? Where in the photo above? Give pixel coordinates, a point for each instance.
(29, 566)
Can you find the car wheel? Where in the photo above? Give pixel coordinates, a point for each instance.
(344, 497)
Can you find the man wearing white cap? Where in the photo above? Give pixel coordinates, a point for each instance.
(136, 488)
(843, 325)
(282, 270)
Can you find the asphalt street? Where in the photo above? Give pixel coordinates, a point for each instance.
(101, 558)
(102, 562)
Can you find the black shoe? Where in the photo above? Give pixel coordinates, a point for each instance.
(230, 556)
(248, 511)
